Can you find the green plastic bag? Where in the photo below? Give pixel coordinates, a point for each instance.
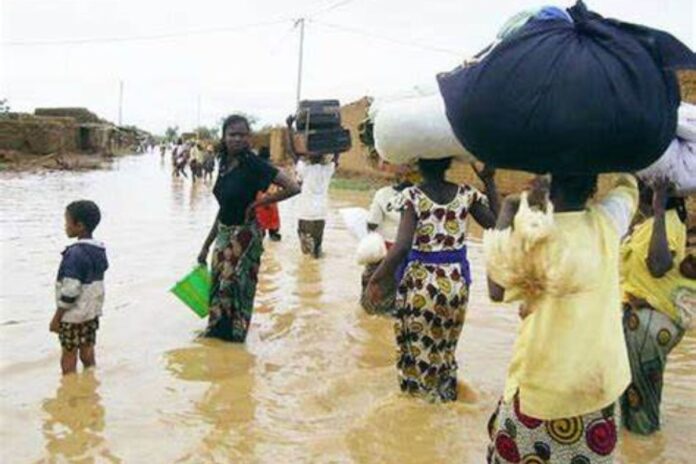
(194, 290)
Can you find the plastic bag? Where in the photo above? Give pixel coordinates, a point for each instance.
(371, 249)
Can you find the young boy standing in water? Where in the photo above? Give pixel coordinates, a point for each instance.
(80, 287)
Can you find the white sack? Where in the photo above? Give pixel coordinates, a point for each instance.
(371, 249)
(355, 220)
(686, 122)
(414, 127)
(678, 164)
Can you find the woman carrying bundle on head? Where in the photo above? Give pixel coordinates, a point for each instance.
(659, 285)
(569, 365)
(433, 277)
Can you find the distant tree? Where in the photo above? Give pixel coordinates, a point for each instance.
(172, 133)
(4, 107)
(207, 133)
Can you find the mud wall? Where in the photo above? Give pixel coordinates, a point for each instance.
(80, 115)
(38, 135)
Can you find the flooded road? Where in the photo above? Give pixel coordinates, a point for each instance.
(314, 383)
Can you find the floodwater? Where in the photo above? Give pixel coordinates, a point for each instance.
(314, 383)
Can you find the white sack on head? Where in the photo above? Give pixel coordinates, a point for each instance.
(678, 164)
(371, 249)
(686, 122)
(415, 127)
(355, 220)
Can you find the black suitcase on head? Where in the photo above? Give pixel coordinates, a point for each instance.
(318, 114)
(328, 141)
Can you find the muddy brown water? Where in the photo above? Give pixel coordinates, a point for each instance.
(314, 383)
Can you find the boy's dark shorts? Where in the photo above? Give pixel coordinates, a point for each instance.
(73, 336)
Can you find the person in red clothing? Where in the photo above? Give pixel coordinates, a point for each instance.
(268, 215)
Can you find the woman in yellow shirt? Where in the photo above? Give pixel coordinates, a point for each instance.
(659, 298)
(569, 364)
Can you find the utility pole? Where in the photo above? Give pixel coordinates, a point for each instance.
(301, 23)
(120, 102)
(198, 112)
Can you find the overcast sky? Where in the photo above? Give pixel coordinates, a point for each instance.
(242, 54)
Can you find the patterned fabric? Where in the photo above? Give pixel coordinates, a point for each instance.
(518, 438)
(74, 336)
(650, 336)
(236, 261)
(311, 235)
(431, 298)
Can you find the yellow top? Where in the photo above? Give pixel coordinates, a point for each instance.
(570, 357)
(670, 293)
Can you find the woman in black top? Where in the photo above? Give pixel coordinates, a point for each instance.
(238, 239)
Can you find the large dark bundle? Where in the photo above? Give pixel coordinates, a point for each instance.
(590, 95)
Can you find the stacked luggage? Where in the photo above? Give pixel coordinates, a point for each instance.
(318, 128)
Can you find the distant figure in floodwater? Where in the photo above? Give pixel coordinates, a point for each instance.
(178, 146)
(80, 287)
(196, 163)
(182, 158)
(314, 172)
(208, 164)
(268, 216)
(163, 150)
(236, 233)
(659, 289)
(433, 277)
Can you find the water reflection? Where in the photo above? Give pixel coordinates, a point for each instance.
(75, 420)
(228, 406)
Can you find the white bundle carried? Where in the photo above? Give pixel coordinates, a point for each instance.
(678, 162)
(371, 249)
(686, 122)
(413, 127)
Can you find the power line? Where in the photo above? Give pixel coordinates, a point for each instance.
(170, 35)
(407, 43)
(329, 8)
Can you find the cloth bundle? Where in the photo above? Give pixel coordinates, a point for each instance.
(573, 93)
(678, 162)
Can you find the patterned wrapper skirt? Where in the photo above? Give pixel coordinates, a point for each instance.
(650, 336)
(235, 268)
(518, 438)
(431, 306)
